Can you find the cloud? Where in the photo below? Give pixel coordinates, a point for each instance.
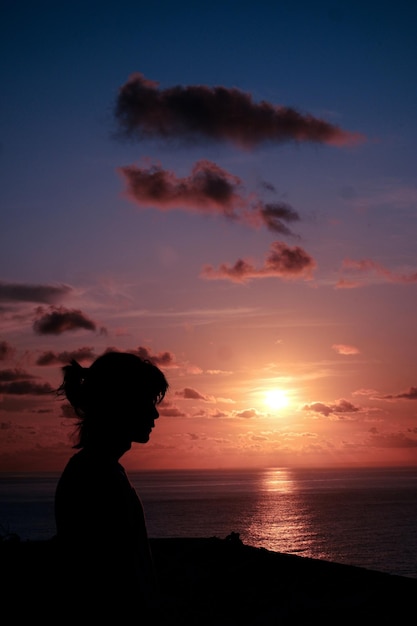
(410, 394)
(342, 348)
(391, 440)
(218, 113)
(247, 413)
(6, 351)
(13, 374)
(55, 358)
(61, 320)
(371, 393)
(282, 262)
(18, 382)
(366, 266)
(191, 394)
(167, 409)
(341, 406)
(208, 190)
(162, 359)
(273, 214)
(19, 292)
(86, 353)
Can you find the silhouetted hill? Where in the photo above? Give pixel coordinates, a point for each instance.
(222, 582)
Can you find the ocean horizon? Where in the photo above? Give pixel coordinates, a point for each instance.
(365, 517)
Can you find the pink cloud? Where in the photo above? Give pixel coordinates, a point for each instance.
(191, 394)
(342, 348)
(341, 406)
(282, 262)
(367, 266)
(392, 440)
(247, 413)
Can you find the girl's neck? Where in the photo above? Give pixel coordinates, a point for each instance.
(111, 450)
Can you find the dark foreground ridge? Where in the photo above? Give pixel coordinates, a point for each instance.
(223, 582)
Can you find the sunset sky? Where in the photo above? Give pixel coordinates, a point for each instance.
(228, 188)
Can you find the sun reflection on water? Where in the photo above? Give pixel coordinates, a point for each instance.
(280, 520)
(277, 479)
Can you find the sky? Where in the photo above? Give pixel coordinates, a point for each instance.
(230, 190)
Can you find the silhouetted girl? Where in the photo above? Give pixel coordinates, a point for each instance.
(101, 530)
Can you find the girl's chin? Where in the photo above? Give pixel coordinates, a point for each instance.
(142, 438)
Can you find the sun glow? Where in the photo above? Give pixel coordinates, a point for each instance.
(276, 399)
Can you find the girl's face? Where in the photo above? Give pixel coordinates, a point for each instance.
(139, 419)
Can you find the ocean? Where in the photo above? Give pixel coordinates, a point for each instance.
(362, 517)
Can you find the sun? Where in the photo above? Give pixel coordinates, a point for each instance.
(276, 399)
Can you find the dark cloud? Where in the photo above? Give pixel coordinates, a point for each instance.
(218, 113)
(264, 184)
(47, 294)
(165, 358)
(63, 358)
(162, 359)
(60, 320)
(410, 394)
(282, 262)
(20, 383)
(6, 351)
(273, 215)
(208, 190)
(13, 374)
(342, 406)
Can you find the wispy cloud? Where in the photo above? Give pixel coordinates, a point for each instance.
(218, 113)
(24, 292)
(282, 262)
(20, 383)
(342, 348)
(365, 267)
(392, 440)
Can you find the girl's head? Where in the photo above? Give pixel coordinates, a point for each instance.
(115, 397)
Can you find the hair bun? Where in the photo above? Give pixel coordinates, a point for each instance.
(77, 369)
